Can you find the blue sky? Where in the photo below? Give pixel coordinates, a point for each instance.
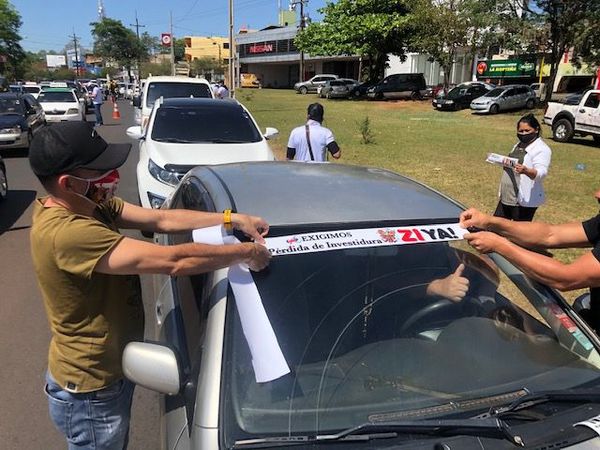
(49, 25)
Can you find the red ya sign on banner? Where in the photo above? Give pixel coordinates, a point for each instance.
(368, 237)
(165, 39)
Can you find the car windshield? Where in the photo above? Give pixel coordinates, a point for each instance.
(204, 124)
(10, 106)
(31, 89)
(367, 342)
(56, 97)
(175, 90)
(495, 92)
(457, 91)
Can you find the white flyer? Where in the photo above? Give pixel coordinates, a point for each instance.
(267, 358)
(592, 423)
(501, 160)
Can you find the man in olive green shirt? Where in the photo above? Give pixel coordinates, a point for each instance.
(88, 275)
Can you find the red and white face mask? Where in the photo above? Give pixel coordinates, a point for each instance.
(102, 188)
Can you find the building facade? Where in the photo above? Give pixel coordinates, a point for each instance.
(214, 47)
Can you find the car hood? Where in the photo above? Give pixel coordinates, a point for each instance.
(200, 154)
(10, 120)
(50, 106)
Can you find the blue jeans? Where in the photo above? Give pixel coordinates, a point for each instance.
(98, 112)
(96, 420)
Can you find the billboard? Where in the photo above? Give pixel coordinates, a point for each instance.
(505, 68)
(56, 60)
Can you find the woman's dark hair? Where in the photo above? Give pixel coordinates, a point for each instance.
(530, 120)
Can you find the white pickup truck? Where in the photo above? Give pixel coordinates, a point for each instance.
(582, 119)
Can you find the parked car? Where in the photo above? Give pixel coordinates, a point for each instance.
(186, 132)
(361, 89)
(33, 89)
(168, 87)
(399, 85)
(460, 96)
(539, 89)
(582, 119)
(3, 180)
(20, 117)
(432, 91)
(372, 356)
(503, 98)
(571, 84)
(311, 85)
(62, 105)
(340, 88)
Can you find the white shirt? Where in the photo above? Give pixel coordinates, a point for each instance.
(222, 92)
(97, 95)
(320, 137)
(538, 157)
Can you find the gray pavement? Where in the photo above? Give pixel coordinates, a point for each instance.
(24, 333)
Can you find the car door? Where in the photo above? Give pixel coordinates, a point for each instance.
(587, 117)
(390, 86)
(507, 99)
(33, 113)
(182, 309)
(315, 83)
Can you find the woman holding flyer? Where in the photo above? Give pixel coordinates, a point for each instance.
(521, 186)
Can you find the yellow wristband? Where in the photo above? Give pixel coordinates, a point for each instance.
(227, 219)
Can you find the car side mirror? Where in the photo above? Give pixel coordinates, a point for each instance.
(582, 302)
(271, 133)
(135, 132)
(137, 101)
(152, 366)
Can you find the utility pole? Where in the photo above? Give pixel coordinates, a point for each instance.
(138, 26)
(231, 53)
(293, 4)
(172, 45)
(76, 55)
(137, 32)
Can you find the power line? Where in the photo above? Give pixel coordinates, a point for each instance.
(137, 26)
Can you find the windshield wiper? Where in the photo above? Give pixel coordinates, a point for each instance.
(491, 427)
(173, 140)
(537, 398)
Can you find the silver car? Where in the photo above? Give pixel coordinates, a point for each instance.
(340, 88)
(373, 351)
(304, 87)
(504, 98)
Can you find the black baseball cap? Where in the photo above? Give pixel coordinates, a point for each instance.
(65, 146)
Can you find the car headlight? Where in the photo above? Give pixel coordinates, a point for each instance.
(72, 111)
(449, 102)
(162, 175)
(14, 130)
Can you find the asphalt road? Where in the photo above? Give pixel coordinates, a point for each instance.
(24, 332)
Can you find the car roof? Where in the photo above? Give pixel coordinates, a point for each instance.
(295, 193)
(176, 79)
(199, 101)
(14, 95)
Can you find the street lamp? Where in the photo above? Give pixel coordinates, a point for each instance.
(293, 4)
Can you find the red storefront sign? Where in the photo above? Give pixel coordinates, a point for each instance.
(260, 48)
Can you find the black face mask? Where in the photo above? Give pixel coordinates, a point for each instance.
(527, 138)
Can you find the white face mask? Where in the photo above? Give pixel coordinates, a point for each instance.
(100, 189)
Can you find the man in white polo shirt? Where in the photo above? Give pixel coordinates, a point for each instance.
(311, 141)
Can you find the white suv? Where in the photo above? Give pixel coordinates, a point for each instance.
(168, 87)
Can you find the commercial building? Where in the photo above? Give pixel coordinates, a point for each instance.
(199, 47)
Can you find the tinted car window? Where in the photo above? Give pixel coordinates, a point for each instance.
(204, 124)
(494, 92)
(56, 97)
(592, 101)
(10, 106)
(176, 90)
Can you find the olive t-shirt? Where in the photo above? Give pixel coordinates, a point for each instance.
(92, 315)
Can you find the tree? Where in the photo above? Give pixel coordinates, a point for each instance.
(442, 28)
(206, 67)
(371, 29)
(10, 48)
(554, 26)
(117, 43)
(150, 43)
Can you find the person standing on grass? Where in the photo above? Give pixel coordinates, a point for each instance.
(521, 188)
(312, 141)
